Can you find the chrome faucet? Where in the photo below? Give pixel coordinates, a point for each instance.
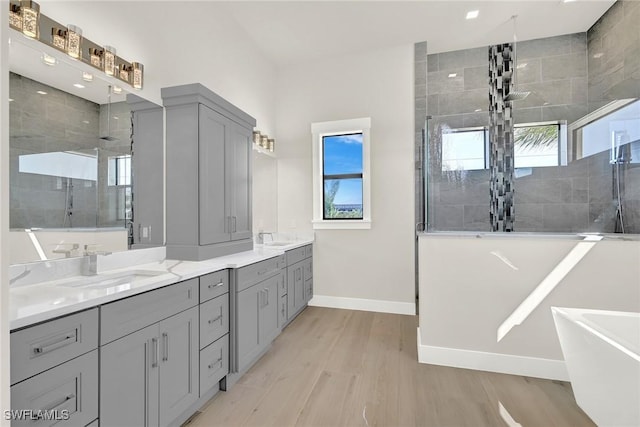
(67, 252)
(90, 267)
(261, 235)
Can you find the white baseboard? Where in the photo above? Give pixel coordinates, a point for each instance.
(493, 362)
(361, 304)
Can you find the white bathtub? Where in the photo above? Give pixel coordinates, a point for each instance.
(602, 353)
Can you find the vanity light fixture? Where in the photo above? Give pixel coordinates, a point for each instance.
(264, 141)
(138, 70)
(110, 60)
(30, 12)
(49, 60)
(271, 144)
(74, 41)
(15, 17)
(472, 14)
(87, 77)
(117, 89)
(59, 38)
(256, 137)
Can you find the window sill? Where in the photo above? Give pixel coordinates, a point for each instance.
(337, 224)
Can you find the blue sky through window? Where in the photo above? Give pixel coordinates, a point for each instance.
(342, 154)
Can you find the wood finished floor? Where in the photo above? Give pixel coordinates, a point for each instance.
(334, 367)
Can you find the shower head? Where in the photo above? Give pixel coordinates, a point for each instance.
(517, 95)
(109, 138)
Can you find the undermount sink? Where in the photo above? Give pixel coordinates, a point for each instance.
(110, 280)
(277, 243)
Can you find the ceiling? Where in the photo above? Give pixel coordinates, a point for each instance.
(290, 32)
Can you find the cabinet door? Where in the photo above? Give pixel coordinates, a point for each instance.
(239, 181)
(268, 313)
(247, 321)
(214, 213)
(295, 288)
(129, 380)
(178, 355)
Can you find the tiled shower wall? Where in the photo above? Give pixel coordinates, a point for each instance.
(55, 122)
(577, 197)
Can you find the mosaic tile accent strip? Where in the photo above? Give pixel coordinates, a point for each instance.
(501, 141)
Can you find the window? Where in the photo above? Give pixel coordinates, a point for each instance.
(464, 149)
(535, 145)
(341, 174)
(119, 177)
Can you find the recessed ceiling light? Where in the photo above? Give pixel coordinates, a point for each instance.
(520, 66)
(11, 99)
(78, 85)
(115, 117)
(87, 77)
(85, 122)
(598, 55)
(568, 1)
(41, 92)
(117, 89)
(49, 60)
(473, 14)
(452, 75)
(478, 110)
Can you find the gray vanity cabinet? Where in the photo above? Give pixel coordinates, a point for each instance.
(299, 279)
(208, 142)
(147, 164)
(150, 377)
(258, 305)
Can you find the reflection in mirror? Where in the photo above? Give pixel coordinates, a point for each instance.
(70, 158)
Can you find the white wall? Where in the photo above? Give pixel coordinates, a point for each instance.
(469, 286)
(375, 264)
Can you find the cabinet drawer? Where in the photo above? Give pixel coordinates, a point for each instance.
(213, 285)
(308, 251)
(38, 348)
(295, 255)
(120, 318)
(308, 269)
(68, 393)
(214, 364)
(254, 273)
(282, 311)
(214, 319)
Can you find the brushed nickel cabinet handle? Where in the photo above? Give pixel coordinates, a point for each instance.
(215, 319)
(217, 285)
(67, 340)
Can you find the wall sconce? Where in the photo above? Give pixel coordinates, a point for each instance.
(110, 60)
(256, 137)
(138, 75)
(95, 57)
(59, 38)
(30, 11)
(74, 41)
(15, 17)
(264, 141)
(123, 72)
(271, 144)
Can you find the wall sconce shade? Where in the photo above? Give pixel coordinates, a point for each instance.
(95, 57)
(264, 141)
(138, 75)
(15, 17)
(271, 144)
(74, 41)
(256, 137)
(59, 38)
(110, 60)
(124, 72)
(30, 11)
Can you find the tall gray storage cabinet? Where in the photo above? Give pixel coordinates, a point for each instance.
(148, 168)
(208, 174)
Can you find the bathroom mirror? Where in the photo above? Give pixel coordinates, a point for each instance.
(70, 155)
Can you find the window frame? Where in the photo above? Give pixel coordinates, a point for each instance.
(332, 128)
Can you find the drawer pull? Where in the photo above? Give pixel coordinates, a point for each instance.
(217, 285)
(58, 405)
(215, 319)
(67, 340)
(215, 364)
(261, 272)
(165, 346)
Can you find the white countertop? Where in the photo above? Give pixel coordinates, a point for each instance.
(37, 302)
